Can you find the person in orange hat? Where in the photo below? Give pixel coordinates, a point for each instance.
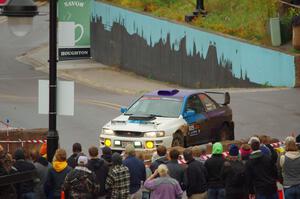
(43, 150)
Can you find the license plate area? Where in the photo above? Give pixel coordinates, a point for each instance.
(125, 143)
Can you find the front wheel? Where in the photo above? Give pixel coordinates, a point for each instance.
(178, 140)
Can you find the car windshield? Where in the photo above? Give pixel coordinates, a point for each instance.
(156, 106)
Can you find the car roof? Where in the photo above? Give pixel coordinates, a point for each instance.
(176, 93)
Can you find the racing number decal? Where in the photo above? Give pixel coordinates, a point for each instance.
(194, 129)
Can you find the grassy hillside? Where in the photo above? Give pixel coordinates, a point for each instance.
(247, 19)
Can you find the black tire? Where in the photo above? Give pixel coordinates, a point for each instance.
(225, 133)
(178, 140)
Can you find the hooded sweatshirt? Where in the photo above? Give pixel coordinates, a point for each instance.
(214, 166)
(262, 173)
(290, 164)
(100, 168)
(55, 178)
(157, 162)
(42, 166)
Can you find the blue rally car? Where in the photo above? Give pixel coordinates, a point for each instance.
(171, 118)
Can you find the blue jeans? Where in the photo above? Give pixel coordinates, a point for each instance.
(292, 192)
(218, 193)
(273, 196)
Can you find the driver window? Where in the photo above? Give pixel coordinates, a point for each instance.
(194, 103)
(208, 103)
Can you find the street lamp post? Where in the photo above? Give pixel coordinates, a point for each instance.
(52, 137)
(20, 14)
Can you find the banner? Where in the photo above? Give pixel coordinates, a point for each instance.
(74, 29)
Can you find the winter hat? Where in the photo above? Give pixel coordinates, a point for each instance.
(245, 150)
(217, 148)
(43, 149)
(106, 151)
(253, 139)
(82, 160)
(19, 154)
(233, 150)
(116, 159)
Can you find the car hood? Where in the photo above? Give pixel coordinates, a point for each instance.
(124, 123)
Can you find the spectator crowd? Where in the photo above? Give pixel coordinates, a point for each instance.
(252, 170)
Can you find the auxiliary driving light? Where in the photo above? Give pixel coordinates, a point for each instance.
(149, 145)
(137, 144)
(107, 142)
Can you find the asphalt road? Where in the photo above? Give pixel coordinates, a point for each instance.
(276, 112)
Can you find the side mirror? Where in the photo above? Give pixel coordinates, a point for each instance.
(189, 113)
(227, 98)
(123, 110)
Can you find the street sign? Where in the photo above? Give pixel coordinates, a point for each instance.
(65, 97)
(3, 2)
(73, 31)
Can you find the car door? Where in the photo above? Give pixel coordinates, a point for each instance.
(197, 124)
(215, 115)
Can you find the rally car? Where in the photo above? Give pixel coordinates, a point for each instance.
(170, 118)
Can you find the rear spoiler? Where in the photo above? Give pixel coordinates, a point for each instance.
(226, 96)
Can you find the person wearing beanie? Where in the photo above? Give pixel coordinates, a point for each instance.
(43, 150)
(214, 166)
(118, 179)
(24, 189)
(261, 173)
(234, 175)
(42, 166)
(57, 174)
(245, 152)
(81, 182)
(290, 164)
(137, 171)
(106, 155)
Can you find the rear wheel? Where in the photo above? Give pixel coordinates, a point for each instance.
(178, 139)
(225, 133)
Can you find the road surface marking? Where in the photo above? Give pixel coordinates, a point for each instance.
(84, 101)
(102, 104)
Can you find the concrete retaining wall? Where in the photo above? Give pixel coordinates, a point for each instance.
(172, 52)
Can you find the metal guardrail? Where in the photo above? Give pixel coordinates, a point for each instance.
(17, 178)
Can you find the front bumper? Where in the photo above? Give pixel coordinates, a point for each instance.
(119, 143)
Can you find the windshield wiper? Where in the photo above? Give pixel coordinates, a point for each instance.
(156, 115)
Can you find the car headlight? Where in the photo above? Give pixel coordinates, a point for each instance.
(154, 134)
(107, 132)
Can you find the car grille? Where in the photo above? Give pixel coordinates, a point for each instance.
(129, 134)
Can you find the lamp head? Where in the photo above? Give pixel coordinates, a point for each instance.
(20, 15)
